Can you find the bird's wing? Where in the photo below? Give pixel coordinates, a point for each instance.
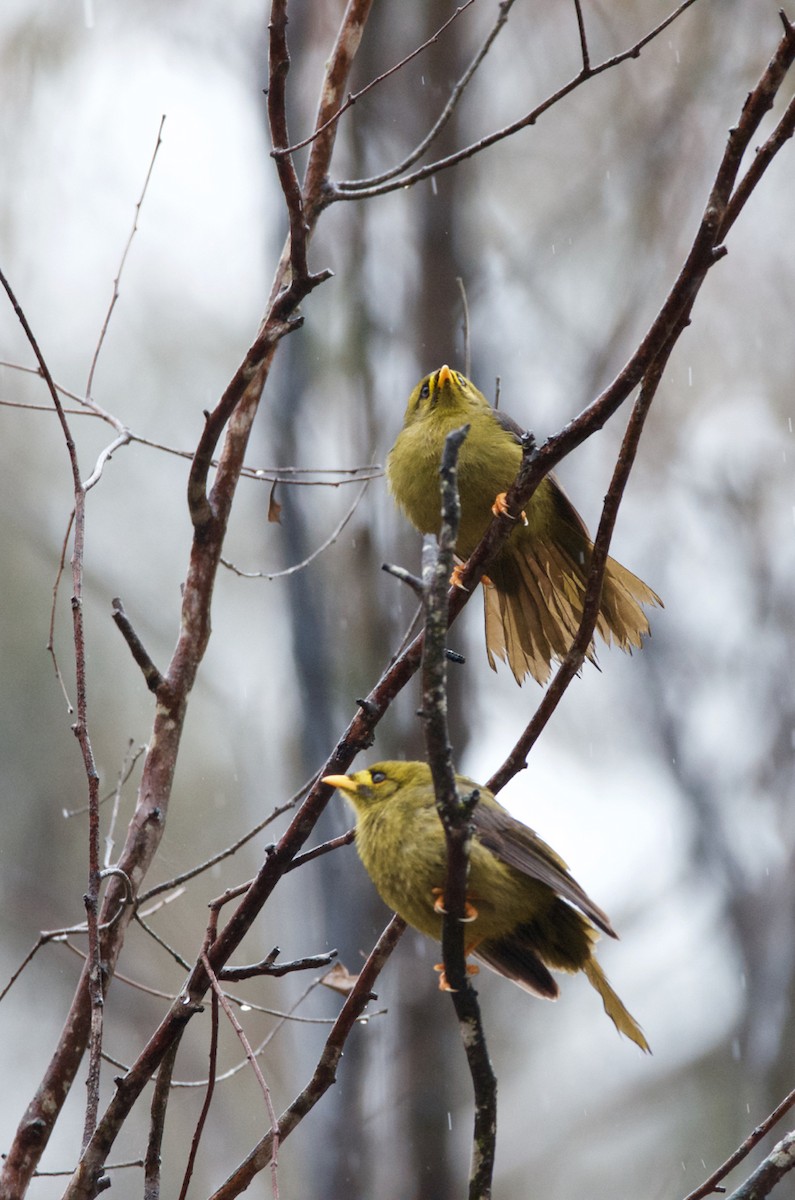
(508, 424)
(564, 509)
(523, 850)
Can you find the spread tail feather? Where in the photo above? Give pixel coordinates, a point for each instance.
(534, 606)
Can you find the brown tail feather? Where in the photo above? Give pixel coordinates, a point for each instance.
(525, 969)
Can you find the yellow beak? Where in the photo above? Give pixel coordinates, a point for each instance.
(445, 376)
(343, 782)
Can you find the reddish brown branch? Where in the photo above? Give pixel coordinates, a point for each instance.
(208, 1098)
(95, 982)
(157, 1123)
(325, 1072)
(352, 97)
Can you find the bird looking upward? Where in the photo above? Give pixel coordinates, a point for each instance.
(535, 588)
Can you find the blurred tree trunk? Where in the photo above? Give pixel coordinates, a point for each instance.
(422, 1033)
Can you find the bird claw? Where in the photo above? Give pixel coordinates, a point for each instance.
(455, 578)
(500, 508)
(444, 986)
(458, 571)
(470, 912)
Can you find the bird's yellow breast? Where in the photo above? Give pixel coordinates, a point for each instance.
(403, 849)
(488, 463)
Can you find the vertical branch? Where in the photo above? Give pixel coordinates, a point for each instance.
(455, 812)
(208, 1097)
(80, 730)
(158, 1110)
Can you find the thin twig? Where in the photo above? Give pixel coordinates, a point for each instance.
(578, 651)
(227, 852)
(55, 588)
(325, 1072)
(117, 280)
(80, 730)
(361, 190)
(300, 566)
(708, 1187)
(127, 768)
(344, 839)
(152, 677)
(586, 57)
(252, 1059)
(269, 966)
(446, 113)
(157, 1124)
(290, 476)
(467, 330)
(211, 1081)
(354, 96)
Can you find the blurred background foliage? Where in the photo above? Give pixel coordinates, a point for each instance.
(666, 780)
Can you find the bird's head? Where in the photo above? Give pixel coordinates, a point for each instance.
(444, 390)
(379, 783)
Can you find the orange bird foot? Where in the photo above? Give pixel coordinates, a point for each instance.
(455, 579)
(470, 912)
(500, 508)
(444, 986)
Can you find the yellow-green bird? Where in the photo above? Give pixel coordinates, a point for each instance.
(535, 588)
(525, 915)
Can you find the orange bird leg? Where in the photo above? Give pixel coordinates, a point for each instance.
(458, 571)
(471, 969)
(500, 508)
(470, 914)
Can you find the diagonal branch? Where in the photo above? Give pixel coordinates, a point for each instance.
(325, 1072)
(361, 189)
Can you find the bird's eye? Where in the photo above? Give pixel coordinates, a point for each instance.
(460, 379)
(425, 391)
(377, 776)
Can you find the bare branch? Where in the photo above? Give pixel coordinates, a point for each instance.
(455, 96)
(455, 813)
(269, 966)
(344, 839)
(361, 190)
(252, 1060)
(157, 1123)
(330, 541)
(354, 96)
(709, 1186)
(586, 56)
(153, 678)
(117, 280)
(208, 1098)
(578, 651)
(325, 1072)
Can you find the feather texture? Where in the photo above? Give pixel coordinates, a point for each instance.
(531, 917)
(534, 600)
